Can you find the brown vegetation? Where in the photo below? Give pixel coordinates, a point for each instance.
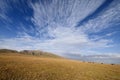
(27, 67)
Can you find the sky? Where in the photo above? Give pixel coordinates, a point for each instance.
(63, 27)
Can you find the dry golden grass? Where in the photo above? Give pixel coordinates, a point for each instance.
(23, 67)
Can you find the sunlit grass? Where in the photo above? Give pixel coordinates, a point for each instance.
(23, 67)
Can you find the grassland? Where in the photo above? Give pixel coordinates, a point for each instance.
(16, 66)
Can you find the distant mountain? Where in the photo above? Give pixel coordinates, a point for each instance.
(38, 53)
(8, 51)
(31, 52)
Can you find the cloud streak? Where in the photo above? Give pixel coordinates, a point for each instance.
(105, 19)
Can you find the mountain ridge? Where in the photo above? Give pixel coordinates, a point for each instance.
(30, 52)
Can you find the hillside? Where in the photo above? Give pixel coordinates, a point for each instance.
(38, 53)
(8, 51)
(26, 67)
(29, 52)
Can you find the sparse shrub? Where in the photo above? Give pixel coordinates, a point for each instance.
(112, 64)
(101, 63)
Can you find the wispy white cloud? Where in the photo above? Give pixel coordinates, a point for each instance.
(105, 19)
(62, 13)
(64, 43)
(3, 11)
(3, 7)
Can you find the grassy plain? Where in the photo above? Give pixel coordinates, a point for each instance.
(14, 66)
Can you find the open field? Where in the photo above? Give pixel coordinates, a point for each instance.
(15, 66)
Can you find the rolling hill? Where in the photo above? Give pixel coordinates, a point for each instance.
(39, 53)
(30, 52)
(8, 51)
(19, 66)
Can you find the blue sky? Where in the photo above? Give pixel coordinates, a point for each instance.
(64, 27)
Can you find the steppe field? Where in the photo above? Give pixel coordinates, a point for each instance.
(14, 66)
